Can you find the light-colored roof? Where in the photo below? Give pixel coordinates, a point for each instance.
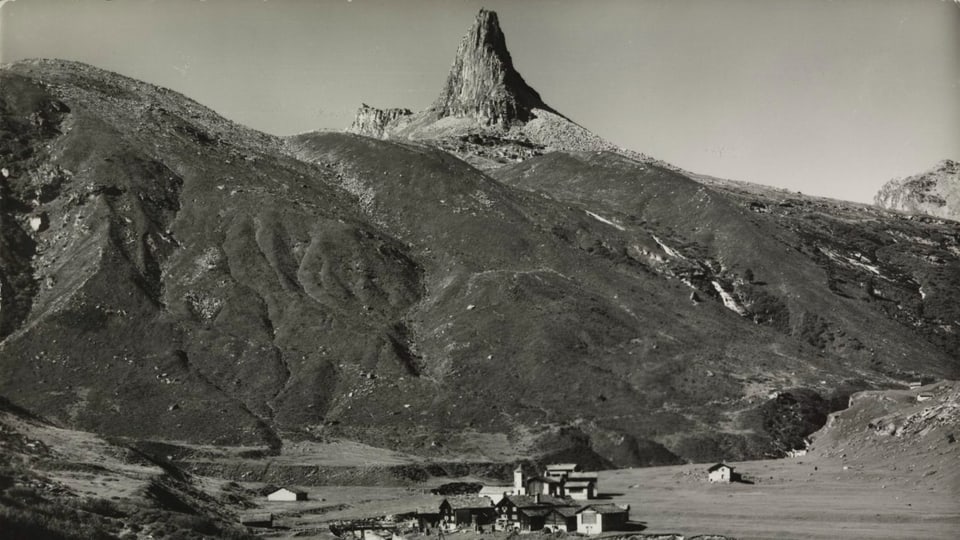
(578, 484)
(546, 479)
(291, 490)
(562, 466)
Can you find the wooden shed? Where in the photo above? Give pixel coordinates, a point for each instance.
(598, 518)
(467, 511)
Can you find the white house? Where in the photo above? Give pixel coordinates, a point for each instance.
(720, 472)
(580, 490)
(561, 470)
(285, 494)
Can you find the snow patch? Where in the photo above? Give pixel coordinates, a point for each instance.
(728, 301)
(605, 220)
(667, 249)
(852, 262)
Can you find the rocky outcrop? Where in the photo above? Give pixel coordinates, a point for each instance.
(374, 122)
(485, 114)
(935, 192)
(482, 82)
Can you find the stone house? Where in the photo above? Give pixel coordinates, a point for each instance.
(720, 472)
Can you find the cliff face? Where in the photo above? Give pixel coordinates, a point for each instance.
(374, 122)
(483, 83)
(935, 192)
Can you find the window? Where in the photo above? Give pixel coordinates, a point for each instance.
(589, 518)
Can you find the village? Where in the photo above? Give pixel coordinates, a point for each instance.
(561, 499)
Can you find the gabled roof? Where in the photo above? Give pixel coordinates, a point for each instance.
(563, 466)
(565, 511)
(538, 511)
(576, 484)
(545, 479)
(719, 466)
(460, 502)
(291, 490)
(603, 509)
(582, 476)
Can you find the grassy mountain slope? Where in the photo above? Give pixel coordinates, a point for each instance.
(193, 280)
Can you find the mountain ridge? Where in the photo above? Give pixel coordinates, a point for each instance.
(196, 280)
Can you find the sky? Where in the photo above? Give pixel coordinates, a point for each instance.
(829, 98)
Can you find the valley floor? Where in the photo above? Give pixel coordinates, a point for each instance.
(797, 498)
(792, 498)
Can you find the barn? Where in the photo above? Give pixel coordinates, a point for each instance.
(598, 518)
(467, 511)
(561, 519)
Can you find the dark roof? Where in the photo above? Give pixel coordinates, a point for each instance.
(603, 509)
(535, 511)
(565, 511)
(719, 466)
(530, 501)
(459, 502)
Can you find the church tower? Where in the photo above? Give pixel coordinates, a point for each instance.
(518, 480)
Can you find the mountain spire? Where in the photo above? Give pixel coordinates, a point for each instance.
(482, 82)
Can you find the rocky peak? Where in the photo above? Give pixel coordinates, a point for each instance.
(935, 192)
(482, 82)
(374, 122)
